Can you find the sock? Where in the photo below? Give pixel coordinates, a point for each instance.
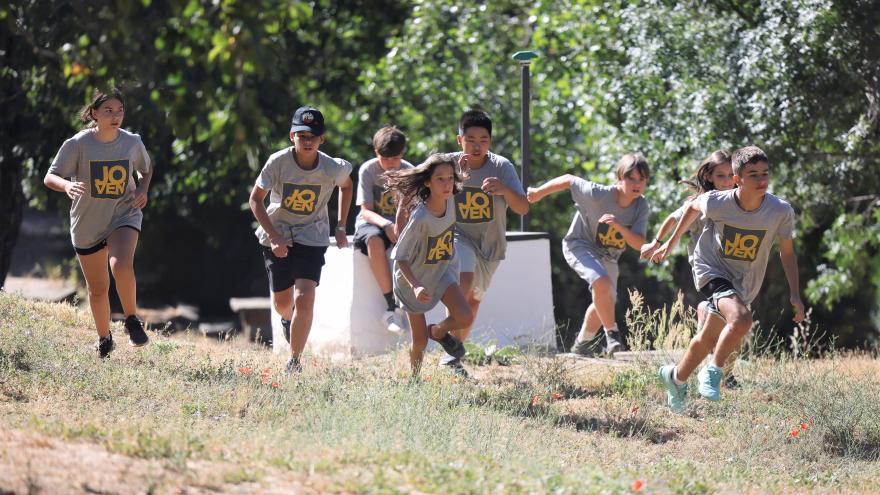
(583, 336)
(389, 299)
(612, 329)
(675, 379)
(285, 324)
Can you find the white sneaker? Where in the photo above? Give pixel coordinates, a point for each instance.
(389, 319)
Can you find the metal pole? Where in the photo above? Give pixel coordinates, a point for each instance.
(524, 59)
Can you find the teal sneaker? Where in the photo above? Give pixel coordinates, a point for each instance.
(710, 382)
(675, 394)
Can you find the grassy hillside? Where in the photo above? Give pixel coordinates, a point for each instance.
(191, 415)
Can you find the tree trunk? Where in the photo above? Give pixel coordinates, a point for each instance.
(11, 208)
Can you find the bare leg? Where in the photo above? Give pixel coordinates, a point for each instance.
(466, 283)
(283, 303)
(603, 300)
(739, 322)
(94, 267)
(121, 245)
(591, 324)
(379, 263)
(459, 311)
(303, 312)
(419, 330)
(700, 347)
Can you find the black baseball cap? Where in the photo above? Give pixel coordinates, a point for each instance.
(308, 119)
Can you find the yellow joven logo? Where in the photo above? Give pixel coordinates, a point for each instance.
(440, 247)
(741, 244)
(109, 178)
(300, 199)
(474, 206)
(385, 203)
(608, 236)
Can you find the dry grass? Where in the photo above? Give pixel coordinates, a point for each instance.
(188, 413)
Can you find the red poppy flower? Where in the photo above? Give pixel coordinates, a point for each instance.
(557, 396)
(535, 401)
(804, 426)
(638, 485)
(245, 371)
(795, 433)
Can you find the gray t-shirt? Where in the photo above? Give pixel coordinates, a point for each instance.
(594, 200)
(371, 189)
(427, 243)
(482, 218)
(735, 244)
(298, 198)
(107, 169)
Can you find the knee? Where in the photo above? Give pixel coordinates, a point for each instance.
(304, 300)
(741, 323)
(98, 289)
(281, 304)
(602, 285)
(121, 265)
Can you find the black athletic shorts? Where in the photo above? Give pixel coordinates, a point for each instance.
(301, 262)
(101, 245)
(716, 289)
(367, 231)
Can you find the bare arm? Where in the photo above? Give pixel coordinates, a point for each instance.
(277, 243)
(790, 267)
(691, 213)
(647, 250)
(143, 188)
(421, 293)
(378, 220)
(345, 194)
(560, 183)
(60, 184)
(632, 239)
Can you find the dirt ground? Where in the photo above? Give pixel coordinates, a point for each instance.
(31, 463)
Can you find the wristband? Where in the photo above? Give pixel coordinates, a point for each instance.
(340, 228)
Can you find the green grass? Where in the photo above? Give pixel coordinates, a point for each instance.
(539, 426)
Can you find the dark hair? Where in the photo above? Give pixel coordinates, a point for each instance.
(99, 98)
(410, 183)
(474, 118)
(389, 141)
(633, 161)
(701, 181)
(746, 156)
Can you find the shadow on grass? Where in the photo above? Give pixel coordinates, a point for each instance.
(634, 427)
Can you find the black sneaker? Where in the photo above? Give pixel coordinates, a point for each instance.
(105, 345)
(730, 382)
(285, 329)
(136, 335)
(293, 366)
(450, 344)
(455, 367)
(613, 342)
(587, 348)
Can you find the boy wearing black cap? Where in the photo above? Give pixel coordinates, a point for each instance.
(295, 229)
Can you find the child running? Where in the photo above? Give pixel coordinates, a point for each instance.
(491, 186)
(729, 263)
(105, 217)
(608, 218)
(714, 174)
(375, 228)
(424, 269)
(294, 230)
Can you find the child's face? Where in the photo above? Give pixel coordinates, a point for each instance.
(109, 115)
(632, 185)
(389, 162)
(305, 141)
(754, 177)
(475, 142)
(442, 181)
(722, 177)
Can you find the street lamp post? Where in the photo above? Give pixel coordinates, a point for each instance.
(524, 58)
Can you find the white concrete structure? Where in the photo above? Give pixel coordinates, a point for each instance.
(517, 309)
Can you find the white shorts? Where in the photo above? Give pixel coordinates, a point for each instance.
(471, 262)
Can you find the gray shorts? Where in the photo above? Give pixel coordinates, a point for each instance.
(471, 262)
(590, 266)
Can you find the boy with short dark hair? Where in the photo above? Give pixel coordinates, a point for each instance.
(492, 185)
(375, 228)
(730, 260)
(295, 229)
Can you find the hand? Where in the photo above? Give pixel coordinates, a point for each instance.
(140, 197)
(463, 166)
(278, 245)
(663, 252)
(75, 189)
(391, 231)
(341, 239)
(422, 294)
(798, 308)
(609, 219)
(493, 185)
(534, 195)
(648, 249)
